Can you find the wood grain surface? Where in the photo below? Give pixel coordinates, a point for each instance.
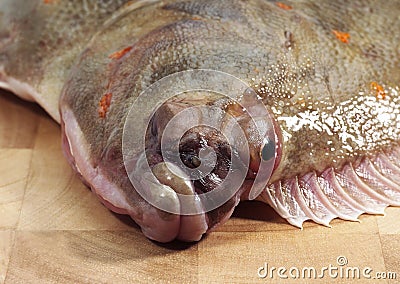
(54, 230)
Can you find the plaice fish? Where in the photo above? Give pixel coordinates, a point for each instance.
(293, 103)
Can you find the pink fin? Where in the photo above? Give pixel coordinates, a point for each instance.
(351, 183)
(387, 168)
(285, 204)
(325, 204)
(313, 203)
(272, 196)
(394, 156)
(387, 190)
(346, 206)
(368, 187)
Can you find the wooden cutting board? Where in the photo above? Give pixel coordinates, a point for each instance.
(54, 230)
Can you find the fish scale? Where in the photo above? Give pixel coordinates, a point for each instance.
(327, 71)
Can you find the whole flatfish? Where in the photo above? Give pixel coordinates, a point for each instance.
(174, 111)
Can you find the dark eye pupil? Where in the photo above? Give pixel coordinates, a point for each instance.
(191, 160)
(195, 161)
(268, 151)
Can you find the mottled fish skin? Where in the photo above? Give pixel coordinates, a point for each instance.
(336, 103)
(41, 39)
(323, 115)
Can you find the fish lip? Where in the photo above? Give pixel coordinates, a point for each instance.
(211, 218)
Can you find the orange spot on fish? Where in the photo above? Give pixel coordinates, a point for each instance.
(283, 6)
(342, 36)
(379, 91)
(119, 54)
(104, 105)
(49, 1)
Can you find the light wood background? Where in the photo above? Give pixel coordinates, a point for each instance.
(54, 230)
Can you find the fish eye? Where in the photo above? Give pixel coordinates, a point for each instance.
(191, 160)
(268, 150)
(195, 161)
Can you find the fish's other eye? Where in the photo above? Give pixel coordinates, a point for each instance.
(268, 150)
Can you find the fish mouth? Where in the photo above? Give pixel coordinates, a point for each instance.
(206, 173)
(205, 155)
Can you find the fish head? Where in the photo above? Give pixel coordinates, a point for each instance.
(210, 149)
